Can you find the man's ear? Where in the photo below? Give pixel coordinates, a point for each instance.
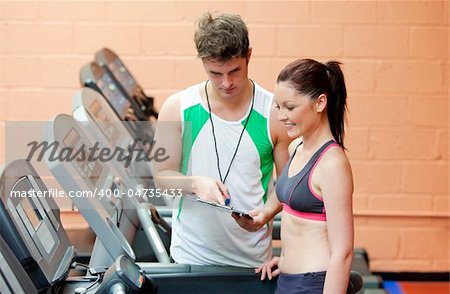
(321, 102)
(249, 54)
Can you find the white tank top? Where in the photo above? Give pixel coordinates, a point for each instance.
(205, 235)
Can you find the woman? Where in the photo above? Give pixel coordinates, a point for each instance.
(315, 188)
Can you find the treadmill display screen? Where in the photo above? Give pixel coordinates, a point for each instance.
(123, 76)
(117, 100)
(34, 217)
(32, 213)
(104, 122)
(88, 169)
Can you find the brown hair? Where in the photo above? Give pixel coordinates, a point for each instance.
(221, 37)
(313, 78)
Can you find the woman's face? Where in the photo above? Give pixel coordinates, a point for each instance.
(297, 111)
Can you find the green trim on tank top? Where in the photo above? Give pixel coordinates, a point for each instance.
(198, 116)
(195, 118)
(262, 142)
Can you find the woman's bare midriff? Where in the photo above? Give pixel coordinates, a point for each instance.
(305, 245)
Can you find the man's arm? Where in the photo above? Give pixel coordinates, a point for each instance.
(166, 172)
(281, 143)
(168, 138)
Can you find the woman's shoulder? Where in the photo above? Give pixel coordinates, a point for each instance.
(335, 160)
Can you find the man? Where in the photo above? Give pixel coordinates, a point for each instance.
(222, 138)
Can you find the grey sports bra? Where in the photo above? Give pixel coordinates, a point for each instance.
(296, 194)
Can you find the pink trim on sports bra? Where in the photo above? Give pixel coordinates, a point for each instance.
(307, 215)
(314, 167)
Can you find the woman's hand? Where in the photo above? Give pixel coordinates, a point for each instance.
(258, 220)
(267, 269)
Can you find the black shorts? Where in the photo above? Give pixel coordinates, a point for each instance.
(308, 283)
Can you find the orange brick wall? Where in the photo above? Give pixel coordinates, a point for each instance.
(396, 61)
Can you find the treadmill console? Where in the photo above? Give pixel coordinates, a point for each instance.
(105, 122)
(97, 117)
(109, 89)
(102, 80)
(88, 169)
(96, 77)
(92, 187)
(99, 79)
(112, 63)
(123, 76)
(30, 225)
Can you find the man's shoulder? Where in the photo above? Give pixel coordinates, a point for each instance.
(182, 96)
(190, 90)
(263, 101)
(188, 95)
(263, 91)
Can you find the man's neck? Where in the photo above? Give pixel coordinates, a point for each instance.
(229, 108)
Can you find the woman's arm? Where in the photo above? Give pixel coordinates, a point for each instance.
(335, 182)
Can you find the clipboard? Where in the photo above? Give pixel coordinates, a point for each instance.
(220, 206)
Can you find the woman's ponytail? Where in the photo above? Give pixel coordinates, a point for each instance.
(337, 102)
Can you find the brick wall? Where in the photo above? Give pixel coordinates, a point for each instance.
(396, 62)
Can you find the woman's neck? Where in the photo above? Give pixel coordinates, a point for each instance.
(315, 139)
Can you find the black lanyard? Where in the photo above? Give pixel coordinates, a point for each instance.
(214, 133)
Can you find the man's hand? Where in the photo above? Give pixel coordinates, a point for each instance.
(210, 190)
(259, 219)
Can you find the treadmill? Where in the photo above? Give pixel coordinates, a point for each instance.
(94, 76)
(113, 211)
(31, 226)
(123, 276)
(104, 219)
(26, 266)
(112, 63)
(13, 277)
(97, 78)
(101, 123)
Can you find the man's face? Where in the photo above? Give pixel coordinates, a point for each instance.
(229, 78)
